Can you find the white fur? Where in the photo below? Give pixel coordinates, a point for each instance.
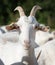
(15, 52)
(42, 37)
(47, 56)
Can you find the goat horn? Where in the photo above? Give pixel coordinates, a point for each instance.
(34, 9)
(20, 9)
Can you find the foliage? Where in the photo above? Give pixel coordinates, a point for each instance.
(46, 15)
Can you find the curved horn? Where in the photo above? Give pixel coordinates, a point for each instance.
(20, 9)
(34, 9)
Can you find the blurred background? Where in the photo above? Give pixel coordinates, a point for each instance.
(45, 16)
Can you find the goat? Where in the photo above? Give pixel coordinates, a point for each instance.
(9, 28)
(21, 51)
(47, 56)
(42, 37)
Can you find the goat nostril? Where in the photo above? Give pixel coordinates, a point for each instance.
(26, 44)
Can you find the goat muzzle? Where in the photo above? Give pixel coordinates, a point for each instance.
(26, 44)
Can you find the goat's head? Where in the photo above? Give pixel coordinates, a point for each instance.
(32, 19)
(25, 26)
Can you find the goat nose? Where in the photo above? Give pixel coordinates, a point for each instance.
(27, 41)
(26, 44)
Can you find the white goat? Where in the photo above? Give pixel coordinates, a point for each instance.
(42, 37)
(21, 52)
(8, 29)
(47, 56)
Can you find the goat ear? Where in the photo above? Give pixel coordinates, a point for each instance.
(11, 27)
(8, 27)
(36, 27)
(45, 29)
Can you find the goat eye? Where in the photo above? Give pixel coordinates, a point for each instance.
(35, 26)
(18, 27)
